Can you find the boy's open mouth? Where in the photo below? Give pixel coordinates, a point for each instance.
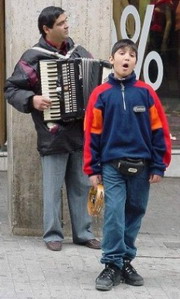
(125, 65)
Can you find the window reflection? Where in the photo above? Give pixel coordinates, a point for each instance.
(164, 38)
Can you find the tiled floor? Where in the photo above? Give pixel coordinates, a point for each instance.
(28, 270)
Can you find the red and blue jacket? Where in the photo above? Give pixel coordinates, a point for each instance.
(125, 119)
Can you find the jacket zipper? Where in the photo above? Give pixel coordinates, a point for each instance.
(123, 95)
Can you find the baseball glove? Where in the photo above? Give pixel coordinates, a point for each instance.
(95, 200)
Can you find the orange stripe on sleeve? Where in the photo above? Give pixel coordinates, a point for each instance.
(96, 126)
(162, 119)
(155, 120)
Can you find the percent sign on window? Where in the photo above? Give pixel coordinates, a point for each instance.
(142, 35)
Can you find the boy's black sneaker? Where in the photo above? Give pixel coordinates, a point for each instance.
(130, 275)
(110, 276)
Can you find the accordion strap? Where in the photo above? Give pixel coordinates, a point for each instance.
(56, 54)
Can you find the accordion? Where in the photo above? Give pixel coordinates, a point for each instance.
(69, 83)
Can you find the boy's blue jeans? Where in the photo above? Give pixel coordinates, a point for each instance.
(126, 200)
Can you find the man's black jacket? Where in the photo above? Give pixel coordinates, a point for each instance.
(25, 83)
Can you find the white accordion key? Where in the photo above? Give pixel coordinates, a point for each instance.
(48, 72)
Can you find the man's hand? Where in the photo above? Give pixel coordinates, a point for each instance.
(95, 180)
(154, 178)
(41, 102)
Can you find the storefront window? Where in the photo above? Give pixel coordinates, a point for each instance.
(159, 22)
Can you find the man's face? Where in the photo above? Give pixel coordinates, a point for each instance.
(59, 32)
(123, 62)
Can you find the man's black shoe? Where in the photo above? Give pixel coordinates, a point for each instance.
(130, 275)
(110, 276)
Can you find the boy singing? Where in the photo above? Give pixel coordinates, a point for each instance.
(127, 147)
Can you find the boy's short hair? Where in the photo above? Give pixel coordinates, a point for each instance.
(123, 43)
(48, 17)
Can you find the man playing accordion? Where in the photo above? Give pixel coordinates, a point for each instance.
(61, 152)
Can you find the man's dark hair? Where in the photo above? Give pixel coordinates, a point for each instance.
(48, 17)
(123, 43)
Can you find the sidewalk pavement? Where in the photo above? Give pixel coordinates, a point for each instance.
(30, 271)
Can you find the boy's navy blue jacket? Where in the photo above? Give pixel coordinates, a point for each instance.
(125, 119)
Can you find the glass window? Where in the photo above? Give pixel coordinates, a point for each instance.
(160, 32)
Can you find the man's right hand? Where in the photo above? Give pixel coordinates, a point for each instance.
(41, 102)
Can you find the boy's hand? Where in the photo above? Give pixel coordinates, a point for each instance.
(95, 180)
(154, 178)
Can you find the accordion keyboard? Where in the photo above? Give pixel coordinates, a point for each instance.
(49, 78)
(69, 86)
(69, 74)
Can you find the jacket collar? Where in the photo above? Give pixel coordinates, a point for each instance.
(129, 80)
(42, 43)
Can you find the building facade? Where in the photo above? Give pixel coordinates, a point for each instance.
(95, 24)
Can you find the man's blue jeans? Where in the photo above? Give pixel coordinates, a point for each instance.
(58, 169)
(126, 200)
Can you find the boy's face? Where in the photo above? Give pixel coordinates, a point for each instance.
(123, 62)
(59, 32)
